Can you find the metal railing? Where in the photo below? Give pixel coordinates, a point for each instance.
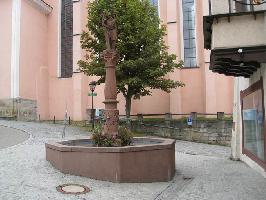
(169, 120)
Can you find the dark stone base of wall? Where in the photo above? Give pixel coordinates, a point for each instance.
(217, 132)
(20, 109)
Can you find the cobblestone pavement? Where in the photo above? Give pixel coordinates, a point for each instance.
(204, 172)
(10, 137)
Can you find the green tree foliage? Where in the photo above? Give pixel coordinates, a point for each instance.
(144, 60)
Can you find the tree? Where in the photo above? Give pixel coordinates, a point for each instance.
(144, 61)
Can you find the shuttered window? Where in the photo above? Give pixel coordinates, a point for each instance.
(67, 39)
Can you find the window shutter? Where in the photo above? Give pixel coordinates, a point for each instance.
(67, 39)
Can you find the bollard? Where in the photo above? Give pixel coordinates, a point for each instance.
(167, 122)
(168, 116)
(39, 117)
(140, 117)
(194, 115)
(140, 121)
(220, 115)
(54, 119)
(69, 120)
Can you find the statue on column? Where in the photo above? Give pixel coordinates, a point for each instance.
(110, 57)
(110, 31)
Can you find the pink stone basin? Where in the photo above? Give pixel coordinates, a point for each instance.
(147, 160)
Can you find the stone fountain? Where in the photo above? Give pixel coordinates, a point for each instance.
(147, 160)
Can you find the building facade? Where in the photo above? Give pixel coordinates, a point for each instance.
(40, 47)
(235, 31)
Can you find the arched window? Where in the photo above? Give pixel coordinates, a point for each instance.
(189, 33)
(66, 70)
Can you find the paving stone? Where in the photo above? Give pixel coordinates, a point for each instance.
(203, 172)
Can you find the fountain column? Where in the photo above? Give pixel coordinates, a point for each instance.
(111, 114)
(110, 57)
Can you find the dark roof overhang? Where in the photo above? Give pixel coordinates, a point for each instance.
(241, 61)
(208, 22)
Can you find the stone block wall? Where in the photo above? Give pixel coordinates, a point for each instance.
(205, 131)
(20, 109)
(7, 108)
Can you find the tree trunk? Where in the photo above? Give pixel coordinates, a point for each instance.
(128, 106)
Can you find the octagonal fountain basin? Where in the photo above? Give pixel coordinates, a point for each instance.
(147, 160)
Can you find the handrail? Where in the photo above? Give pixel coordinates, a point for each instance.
(176, 114)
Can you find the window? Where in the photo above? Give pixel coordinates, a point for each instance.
(253, 122)
(66, 39)
(189, 33)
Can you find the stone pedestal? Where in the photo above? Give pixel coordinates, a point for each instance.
(111, 114)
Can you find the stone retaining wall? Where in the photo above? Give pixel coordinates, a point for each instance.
(205, 131)
(20, 109)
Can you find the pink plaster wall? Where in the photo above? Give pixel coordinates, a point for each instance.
(205, 91)
(192, 97)
(158, 103)
(60, 98)
(225, 93)
(71, 92)
(33, 48)
(40, 47)
(219, 92)
(5, 48)
(42, 93)
(61, 89)
(169, 12)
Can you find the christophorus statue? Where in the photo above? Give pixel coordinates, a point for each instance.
(110, 31)
(110, 57)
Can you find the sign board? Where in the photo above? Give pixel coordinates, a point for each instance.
(92, 94)
(189, 121)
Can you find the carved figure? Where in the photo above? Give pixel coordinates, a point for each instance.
(110, 31)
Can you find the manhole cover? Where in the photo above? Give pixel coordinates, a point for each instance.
(72, 189)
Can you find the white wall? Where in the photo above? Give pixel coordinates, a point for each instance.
(241, 31)
(242, 84)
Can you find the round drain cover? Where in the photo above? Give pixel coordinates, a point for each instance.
(72, 189)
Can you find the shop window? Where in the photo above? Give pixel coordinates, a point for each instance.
(189, 33)
(253, 122)
(66, 39)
